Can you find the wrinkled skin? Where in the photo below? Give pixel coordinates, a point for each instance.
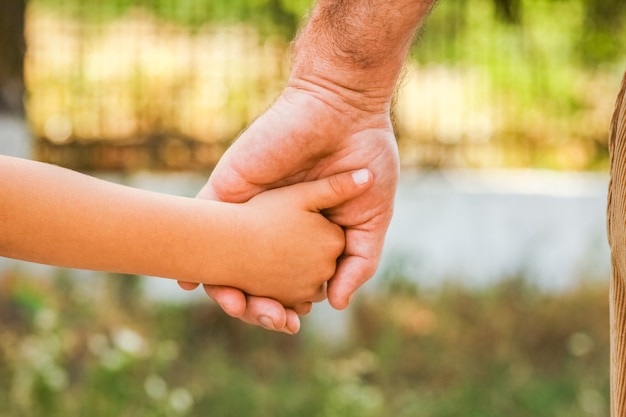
(307, 134)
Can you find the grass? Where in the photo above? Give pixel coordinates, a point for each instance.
(101, 349)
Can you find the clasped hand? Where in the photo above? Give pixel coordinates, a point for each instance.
(305, 136)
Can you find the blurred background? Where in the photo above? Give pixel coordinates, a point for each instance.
(492, 296)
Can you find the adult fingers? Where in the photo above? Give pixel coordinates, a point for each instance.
(231, 300)
(292, 323)
(271, 315)
(258, 311)
(357, 265)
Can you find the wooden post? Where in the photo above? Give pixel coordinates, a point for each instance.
(616, 215)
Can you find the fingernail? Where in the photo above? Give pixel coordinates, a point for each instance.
(267, 322)
(293, 330)
(361, 176)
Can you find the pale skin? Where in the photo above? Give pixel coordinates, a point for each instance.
(334, 115)
(276, 245)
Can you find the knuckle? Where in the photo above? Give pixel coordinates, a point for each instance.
(337, 242)
(337, 186)
(328, 271)
(339, 248)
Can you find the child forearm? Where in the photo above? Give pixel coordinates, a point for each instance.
(277, 244)
(59, 217)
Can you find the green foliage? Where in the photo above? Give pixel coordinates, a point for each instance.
(548, 67)
(495, 83)
(270, 16)
(507, 350)
(536, 56)
(470, 29)
(604, 26)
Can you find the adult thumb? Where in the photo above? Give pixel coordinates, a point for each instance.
(336, 189)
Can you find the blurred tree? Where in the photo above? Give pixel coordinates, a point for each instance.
(604, 23)
(509, 11)
(12, 47)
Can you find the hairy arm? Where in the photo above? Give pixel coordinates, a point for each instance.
(357, 48)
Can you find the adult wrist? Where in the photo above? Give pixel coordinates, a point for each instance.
(357, 49)
(325, 70)
(339, 88)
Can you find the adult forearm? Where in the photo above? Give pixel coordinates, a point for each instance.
(357, 45)
(59, 217)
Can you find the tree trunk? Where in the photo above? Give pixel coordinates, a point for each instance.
(509, 11)
(12, 48)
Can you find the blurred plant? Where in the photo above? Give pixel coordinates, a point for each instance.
(503, 83)
(492, 83)
(270, 16)
(509, 349)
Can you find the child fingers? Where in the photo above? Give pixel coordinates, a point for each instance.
(304, 307)
(336, 189)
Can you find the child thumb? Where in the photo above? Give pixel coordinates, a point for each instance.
(337, 189)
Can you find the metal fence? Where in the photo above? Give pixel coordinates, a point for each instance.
(141, 92)
(136, 87)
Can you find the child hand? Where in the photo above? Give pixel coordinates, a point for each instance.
(288, 248)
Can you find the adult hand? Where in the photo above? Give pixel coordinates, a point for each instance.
(312, 132)
(332, 117)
